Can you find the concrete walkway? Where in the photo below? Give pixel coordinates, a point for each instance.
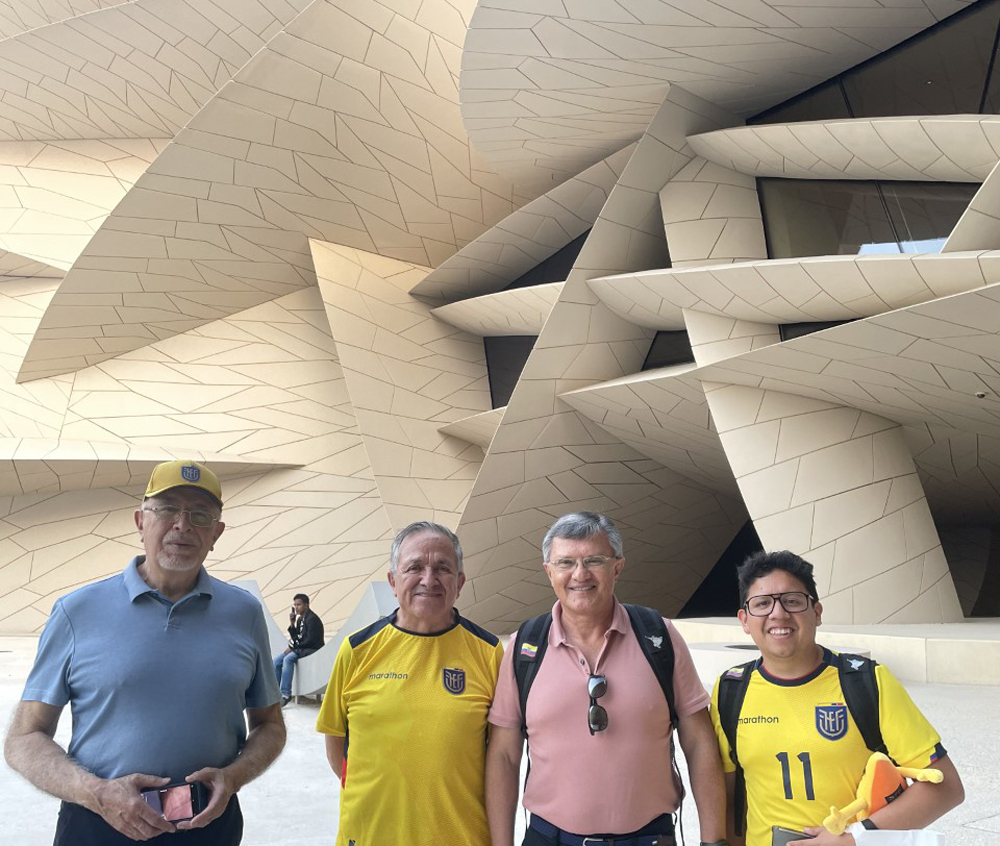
(295, 802)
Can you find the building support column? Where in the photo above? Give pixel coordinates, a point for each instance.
(839, 487)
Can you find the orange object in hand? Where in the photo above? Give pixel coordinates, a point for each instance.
(881, 783)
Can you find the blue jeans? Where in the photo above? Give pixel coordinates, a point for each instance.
(284, 669)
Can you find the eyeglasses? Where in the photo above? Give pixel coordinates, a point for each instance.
(172, 513)
(794, 602)
(597, 717)
(591, 562)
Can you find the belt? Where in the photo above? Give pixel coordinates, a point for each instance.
(564, 838)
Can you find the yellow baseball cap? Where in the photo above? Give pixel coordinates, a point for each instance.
(188, 474)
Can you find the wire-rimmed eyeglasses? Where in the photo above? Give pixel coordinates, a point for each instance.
(591, 562)
(597, 717)
(794, 602)
(172, 513)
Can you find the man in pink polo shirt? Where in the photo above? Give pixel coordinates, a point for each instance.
(597, 721)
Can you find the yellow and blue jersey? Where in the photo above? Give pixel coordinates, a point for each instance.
(413, 709)
(801, 751)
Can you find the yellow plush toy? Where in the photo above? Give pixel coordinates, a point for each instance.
(881, 783)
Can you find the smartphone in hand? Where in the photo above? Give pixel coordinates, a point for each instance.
(177, 802)
(782, 836)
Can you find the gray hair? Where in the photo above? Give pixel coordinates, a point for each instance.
(423, 526)
(582, 524)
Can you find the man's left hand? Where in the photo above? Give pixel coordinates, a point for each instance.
(822, 837)
(219, 793)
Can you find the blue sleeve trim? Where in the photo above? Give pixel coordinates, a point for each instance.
(369, 632)
(478, 631)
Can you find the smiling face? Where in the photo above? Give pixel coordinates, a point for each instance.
(786, 641)
(584, 591)
(177, 546)
(426, 582)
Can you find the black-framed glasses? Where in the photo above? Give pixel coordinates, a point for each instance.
(794, 602)
(172, 513)
(597, 717)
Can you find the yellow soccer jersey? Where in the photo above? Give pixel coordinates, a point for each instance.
(413, 708)
(801, 751)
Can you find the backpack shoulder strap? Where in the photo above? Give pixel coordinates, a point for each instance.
(860, 687)
(657, 647)
(733, 686)
(529, 647)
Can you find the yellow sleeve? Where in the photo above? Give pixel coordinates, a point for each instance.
(495, 658)
(332, 717)
(910, 739)
(727, 763)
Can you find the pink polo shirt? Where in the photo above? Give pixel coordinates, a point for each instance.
(620, 779)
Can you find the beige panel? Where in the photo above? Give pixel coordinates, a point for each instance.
(529, 236)
(54, 197)
(550, 87)
(519, 311)
(408, 373)
(711, 215)
(714, 338)
(825, 482)
(266, 388)
(345, 127)
(814, 288)
(140, 69)
(949, 148)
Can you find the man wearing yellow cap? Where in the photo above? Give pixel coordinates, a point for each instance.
(159, 665)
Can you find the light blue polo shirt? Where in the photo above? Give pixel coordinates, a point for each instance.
(154, 687)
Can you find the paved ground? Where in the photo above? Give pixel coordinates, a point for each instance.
(295, 802)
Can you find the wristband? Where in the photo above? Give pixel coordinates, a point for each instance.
(868, 824)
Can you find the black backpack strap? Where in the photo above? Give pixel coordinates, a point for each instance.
(733, 686)
(860, 687)
(657, 647)
(529, 647)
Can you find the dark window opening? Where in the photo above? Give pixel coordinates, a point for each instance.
(949, 68)
(667, 349)
(505, 359)
(719, 594)
(554, 269)
(787, 331)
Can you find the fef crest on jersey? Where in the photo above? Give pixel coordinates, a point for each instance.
(831, 721)
(454, 681)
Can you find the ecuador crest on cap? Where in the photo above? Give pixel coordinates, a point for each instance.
(188, 474)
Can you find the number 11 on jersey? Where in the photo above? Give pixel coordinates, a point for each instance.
(786, 774)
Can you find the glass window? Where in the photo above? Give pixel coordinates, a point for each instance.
(505, 359)
(805, 217)
(826, 218)
(824, 102)
(667, 349)
(924, 213)
(940, 71)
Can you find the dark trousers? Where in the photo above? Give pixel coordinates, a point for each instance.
(79, 827)
(532, 837)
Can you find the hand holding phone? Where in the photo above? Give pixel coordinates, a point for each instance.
(782, 836)
(177, 802)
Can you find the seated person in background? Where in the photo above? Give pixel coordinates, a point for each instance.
(305, 636)
(800, 740)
